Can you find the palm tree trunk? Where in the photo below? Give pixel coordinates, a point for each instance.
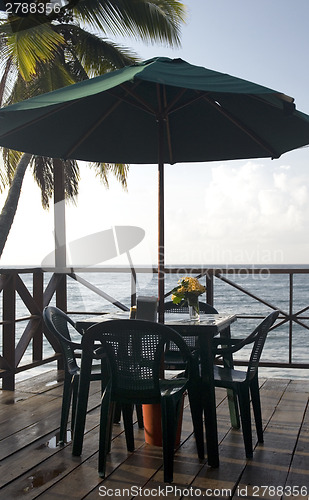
(10, 207)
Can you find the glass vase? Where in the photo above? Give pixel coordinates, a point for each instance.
(194, 309)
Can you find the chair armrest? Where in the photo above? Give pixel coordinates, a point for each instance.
(74, 345)
(229, 346)
(99, 353)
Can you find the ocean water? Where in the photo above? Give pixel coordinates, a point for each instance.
(273, 289)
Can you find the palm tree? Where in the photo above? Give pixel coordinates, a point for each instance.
(41, 53)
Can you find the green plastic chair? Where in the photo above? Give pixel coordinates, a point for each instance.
(59, 325)
(171, 307)
(172, 357)
(134, 351)
(244, 383)
(173, 360)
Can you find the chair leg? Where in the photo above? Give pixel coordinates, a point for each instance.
(197, 420)
(65, 410)
(105, 429)
(139, 413)
(256, 404)
(127, 411)
(74, 400)
(81, 407)
(244, 404)
(233, 408)
(231, 394)
(169, 416)
(112, 413)
(117, 413)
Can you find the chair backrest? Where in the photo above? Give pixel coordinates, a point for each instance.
(57, 323)
(205, 308)
(134, 350)
(147, 308)
(258, 337)
(183, 308)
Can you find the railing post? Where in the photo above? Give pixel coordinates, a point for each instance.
(61, 302)
(9, 316)
(291, 276)
(133, 287)
(210, 288)
(61, 294)
(37, 343)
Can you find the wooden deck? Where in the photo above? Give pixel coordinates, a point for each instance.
(33, 466)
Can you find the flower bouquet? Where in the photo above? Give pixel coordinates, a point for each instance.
(189, 289)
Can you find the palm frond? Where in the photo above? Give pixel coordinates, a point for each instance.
(149, 20)
(55, 74)
(3, 180)
(28, 47)
(43, 173)
(50, 76)
(42, 169)
(71, 180)
(10, 161)
(96, 55)
(6, 80)
(119, 170)
(20, 91)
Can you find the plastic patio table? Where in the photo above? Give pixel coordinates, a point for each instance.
(208, 327)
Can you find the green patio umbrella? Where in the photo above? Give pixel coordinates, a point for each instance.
(159, 111)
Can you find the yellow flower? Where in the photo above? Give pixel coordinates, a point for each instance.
(188, 286)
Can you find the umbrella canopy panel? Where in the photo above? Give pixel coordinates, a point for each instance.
(206, 116)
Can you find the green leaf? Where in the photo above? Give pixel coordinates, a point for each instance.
(177, 300)
(29, 44)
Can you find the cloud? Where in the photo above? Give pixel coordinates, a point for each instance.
(253, 212)
(215, 213)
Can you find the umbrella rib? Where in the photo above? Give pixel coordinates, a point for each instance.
(120, 99)
(242, 127)
(145, 106)
(89, 131)
(39, 118)
(169, 109)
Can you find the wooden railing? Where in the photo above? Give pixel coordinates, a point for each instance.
(26, 333)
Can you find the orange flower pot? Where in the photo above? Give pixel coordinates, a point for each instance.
(152, 425)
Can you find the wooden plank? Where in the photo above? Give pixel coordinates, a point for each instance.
(26, 296)
(143, 471)
(48, 465)
(37, 343)
(40, 383)
(266, 475)
(298, 475)
(34, 467)
(9, 330)
(23, 423)
(233, 463)
(40, 407)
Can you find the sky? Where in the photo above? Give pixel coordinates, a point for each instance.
(217, 213)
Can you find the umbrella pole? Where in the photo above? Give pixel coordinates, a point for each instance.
(161, 222)
(161, 242)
